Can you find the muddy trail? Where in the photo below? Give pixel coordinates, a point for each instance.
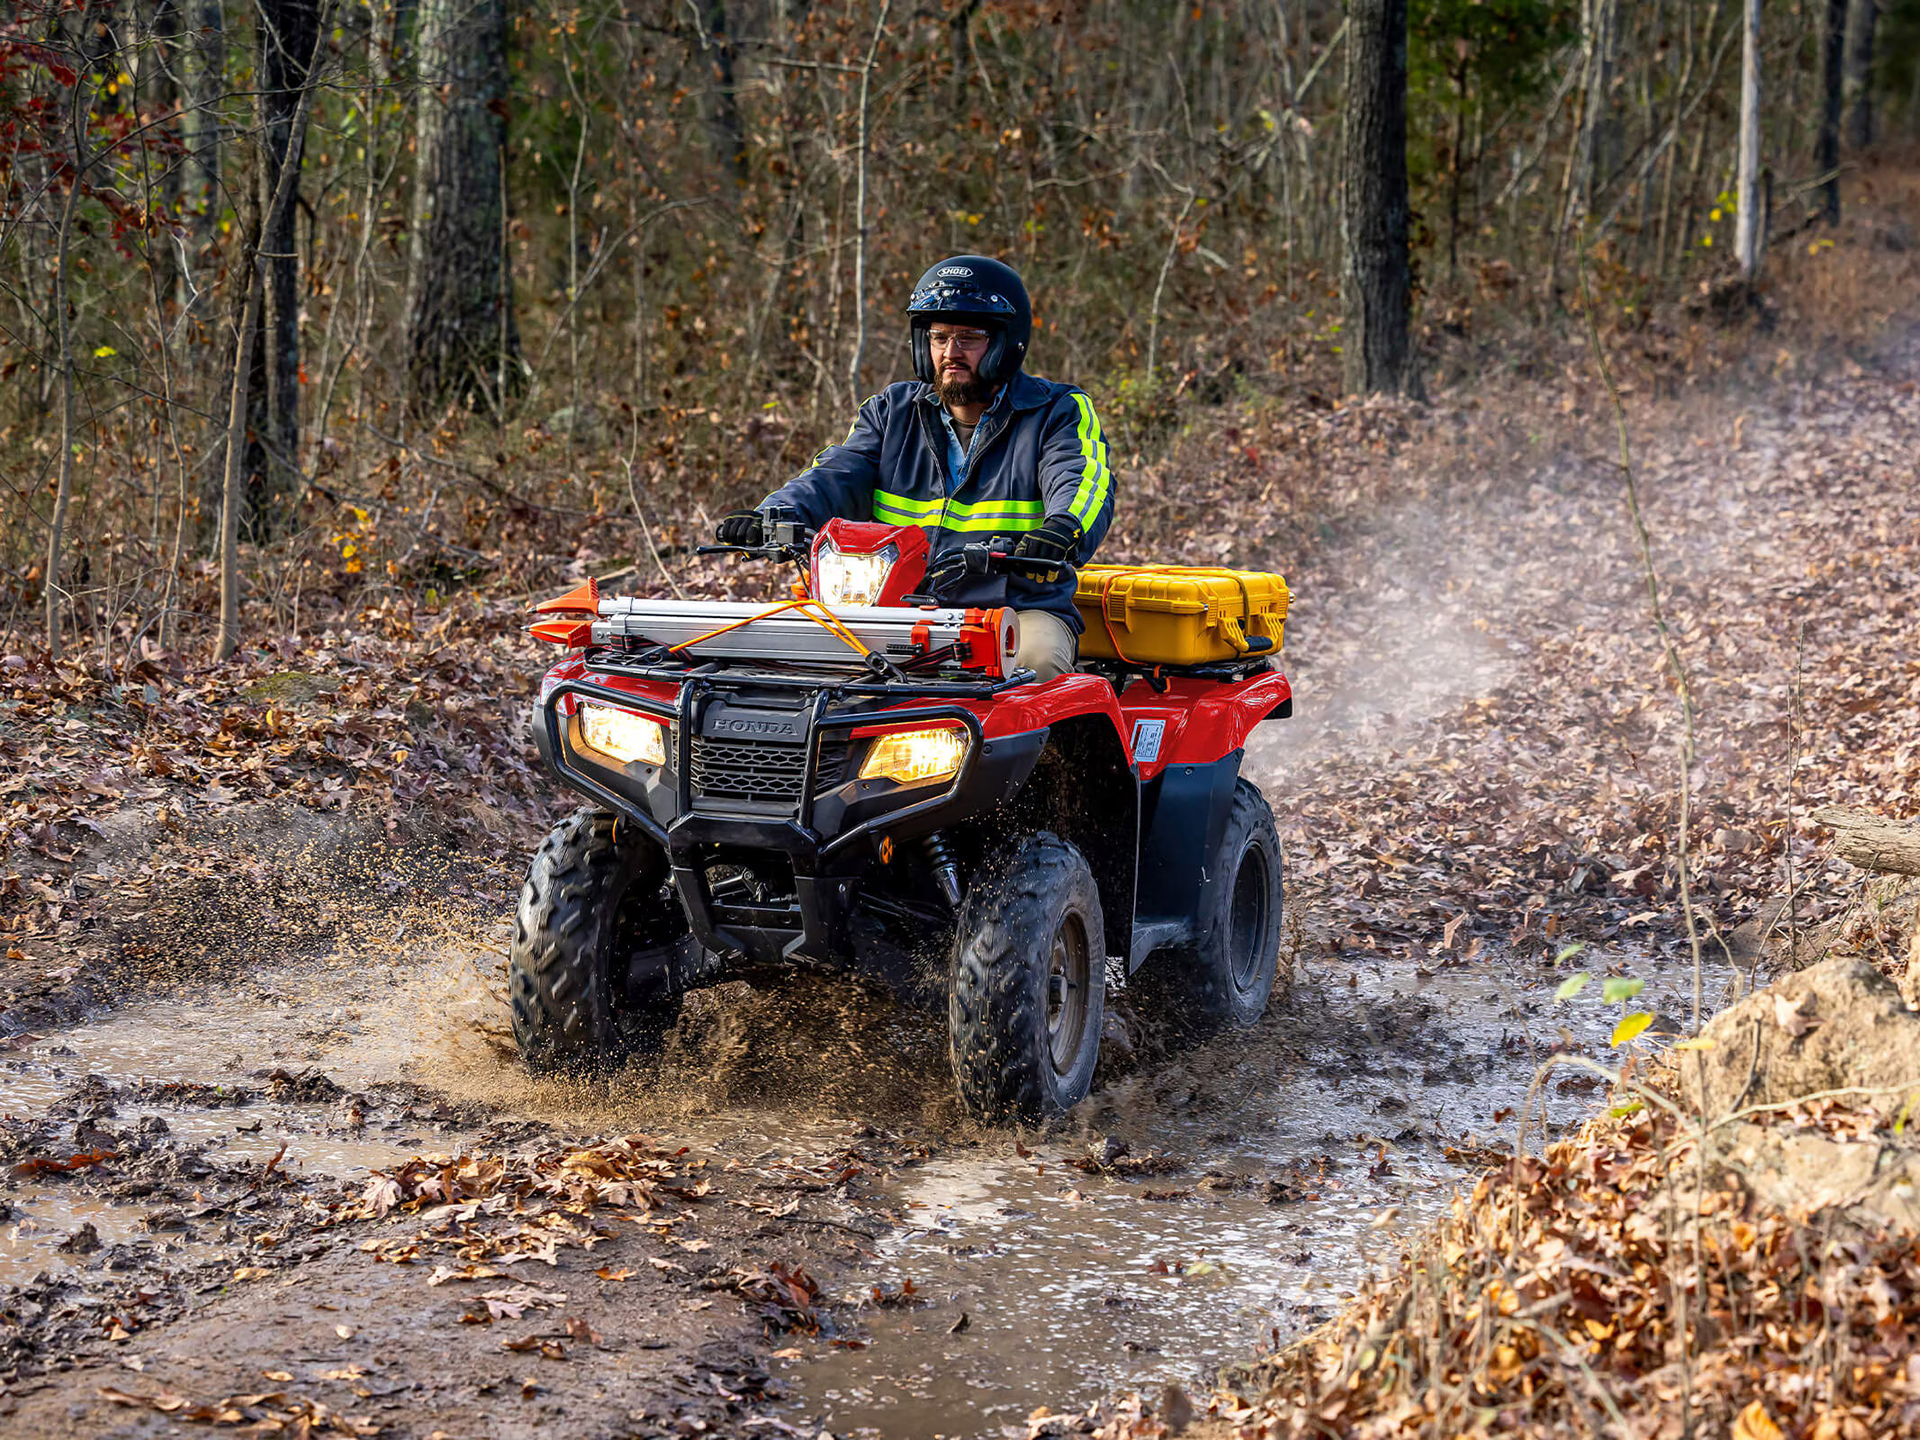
(285, 1166)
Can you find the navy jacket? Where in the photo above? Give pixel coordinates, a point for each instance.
(1038, 455)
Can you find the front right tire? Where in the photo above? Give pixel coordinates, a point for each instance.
(1028, 991)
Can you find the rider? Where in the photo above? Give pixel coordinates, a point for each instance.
(971, 450)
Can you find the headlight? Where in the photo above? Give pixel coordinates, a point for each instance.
(623, 735)
(852, 579)
(911, 757)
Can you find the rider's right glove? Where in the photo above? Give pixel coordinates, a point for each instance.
(946, 575)
(743, 527)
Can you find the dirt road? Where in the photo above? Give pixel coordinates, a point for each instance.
(211, 1214)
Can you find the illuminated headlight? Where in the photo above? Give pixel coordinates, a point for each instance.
(623, 735)
(912, 757)
(852, 579)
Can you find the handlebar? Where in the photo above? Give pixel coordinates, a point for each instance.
(787, 540)
(984, 559)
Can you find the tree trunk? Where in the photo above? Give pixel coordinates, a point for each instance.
(1748, 235)
(724, 124)
(1859, 73)
(203, 66)
(287, 31)
(1826, 151)
(958, 50)
(461, 335)
(1376, 276)
(256, 267)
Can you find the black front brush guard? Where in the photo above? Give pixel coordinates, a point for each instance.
(814, 922)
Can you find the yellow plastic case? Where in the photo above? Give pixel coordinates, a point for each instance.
(1179, 615)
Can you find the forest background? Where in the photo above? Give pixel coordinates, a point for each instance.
(416, 294)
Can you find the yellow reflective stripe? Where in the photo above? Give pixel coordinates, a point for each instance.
(1094, 477)
(905, 502)
(997, 507)
(996, 522)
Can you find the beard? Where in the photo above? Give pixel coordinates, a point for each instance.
(963, 389)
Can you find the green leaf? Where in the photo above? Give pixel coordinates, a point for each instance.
(1631, 1026)
(1632, 1107)
(1567, 952)
(1572, 986)
(1618, 990)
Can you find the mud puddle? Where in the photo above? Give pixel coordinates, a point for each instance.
(1196, 1208)
(1206, 1211)
(300, 1072)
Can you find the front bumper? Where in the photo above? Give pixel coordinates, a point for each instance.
(821, 823)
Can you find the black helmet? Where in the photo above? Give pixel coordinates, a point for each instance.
(975, 290)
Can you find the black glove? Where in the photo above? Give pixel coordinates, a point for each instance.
(946, 575)
(1057, 539)
(743, 527)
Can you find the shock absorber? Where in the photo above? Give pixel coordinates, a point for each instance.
(946, 872)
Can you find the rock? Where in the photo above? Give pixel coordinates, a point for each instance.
(83, 1241)
(1838, 1025)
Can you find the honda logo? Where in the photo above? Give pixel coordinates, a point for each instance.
(723, 725)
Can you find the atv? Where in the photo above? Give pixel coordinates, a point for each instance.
(858, 778)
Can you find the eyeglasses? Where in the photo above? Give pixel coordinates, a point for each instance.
(963, 340)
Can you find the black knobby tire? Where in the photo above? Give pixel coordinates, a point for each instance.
(595, 897)
(1223, 979)
(1029, 984)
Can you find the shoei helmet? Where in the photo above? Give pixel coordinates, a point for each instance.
(973, 290)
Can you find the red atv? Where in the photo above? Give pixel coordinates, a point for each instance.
(856, 778)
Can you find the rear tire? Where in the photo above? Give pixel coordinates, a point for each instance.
(1028, 990)
(597, 911)
(1222, 982)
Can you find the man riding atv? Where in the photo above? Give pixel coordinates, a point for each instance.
(927, 788)
(972, 448)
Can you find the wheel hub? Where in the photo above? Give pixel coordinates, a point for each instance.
(1068, 977)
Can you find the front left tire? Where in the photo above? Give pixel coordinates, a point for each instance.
(1028, 992)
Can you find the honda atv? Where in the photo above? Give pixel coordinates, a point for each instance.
(858, 778)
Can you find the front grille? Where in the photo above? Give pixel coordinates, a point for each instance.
(748, 770)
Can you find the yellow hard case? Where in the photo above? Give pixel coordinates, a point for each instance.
(1179, 615)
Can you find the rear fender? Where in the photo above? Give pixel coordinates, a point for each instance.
(1198, 722)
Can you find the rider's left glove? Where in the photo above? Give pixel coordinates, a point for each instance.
(1057, 539)
(743, 527)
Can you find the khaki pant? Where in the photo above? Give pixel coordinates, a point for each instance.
(1048, 646)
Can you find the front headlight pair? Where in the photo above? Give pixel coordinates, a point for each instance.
(906, 757)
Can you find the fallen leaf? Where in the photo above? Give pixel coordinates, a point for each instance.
(1753, 1423)
(345, 1332)
(607, 1272)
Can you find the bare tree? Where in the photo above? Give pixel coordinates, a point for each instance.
(289, 43)
(1376, 278)
(461, 335)
(256, 268)
(1748, 234)
(1859, 74)
(1826, 153)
